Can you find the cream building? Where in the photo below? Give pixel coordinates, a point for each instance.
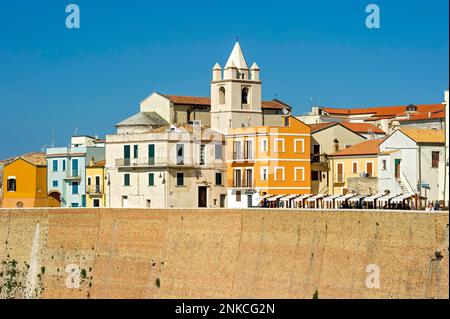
(166, 167)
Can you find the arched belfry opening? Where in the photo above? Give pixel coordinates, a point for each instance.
(221, 95)
(245, 95)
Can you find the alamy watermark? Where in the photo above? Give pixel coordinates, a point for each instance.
(73, 19)
(373, 20)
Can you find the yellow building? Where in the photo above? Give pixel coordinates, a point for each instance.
(95, 184)
(25, 182)
(355, 169)
(268, 160)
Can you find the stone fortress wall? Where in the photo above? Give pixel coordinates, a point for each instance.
(205, 253)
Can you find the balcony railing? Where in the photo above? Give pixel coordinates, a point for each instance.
(135, 162)
(94, 189)
(73, 174)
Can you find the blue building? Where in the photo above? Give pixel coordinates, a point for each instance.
(66, 169)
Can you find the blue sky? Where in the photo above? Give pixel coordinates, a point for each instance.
(91, 78)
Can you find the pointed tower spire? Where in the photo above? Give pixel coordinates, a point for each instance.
(237, 57)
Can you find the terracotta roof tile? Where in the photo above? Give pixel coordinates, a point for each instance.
(384, 111)
(424, 135)
(206, 101)
(35, 158)
(320, 126)
(370, 147)
(363, 128)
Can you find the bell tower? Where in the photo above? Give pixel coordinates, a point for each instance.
(235, 94)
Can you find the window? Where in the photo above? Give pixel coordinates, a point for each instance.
(316, 153)
(315, 175)
(221, 95)
(55, 165)
(237, 151)
(237, 179)
(369, 169)
(55, 183)
(222, 200)
(384, 164)
(248, 178)
(218, 151)
(264, 173)
(96, 202)
(180, 179)
(202, 154)
(11, 184)
(75, 186)
(299, 146)
(75, 205)
(340, 172)
(151, 154)
(180, 154)
(264, 146)
(245, 95)
(135, 151)
(299, 174)
(126, 154)
(355, 167)
(64, 165)
(75, 167)
(219, 179)
(89, 181)
(435, 159)
(238, 196)
(151, 179)
(279, 145)
(126, 179)
(279, 173)
(248, 149)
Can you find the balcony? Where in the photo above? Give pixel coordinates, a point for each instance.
(73, 174)
(135, 162)
(94, 190)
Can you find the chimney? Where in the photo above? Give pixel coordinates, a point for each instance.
(336, 145)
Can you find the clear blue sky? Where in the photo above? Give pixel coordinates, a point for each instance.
(55, 78)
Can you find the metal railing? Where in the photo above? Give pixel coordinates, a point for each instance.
(94, 189)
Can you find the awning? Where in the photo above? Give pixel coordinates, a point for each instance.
(387, 197)
(373, 197)
(401, 198)
(314, 198)
(289, 197)
(274, 198)
(344, 197)
(299, 199)
(331, 198)
(357, 198)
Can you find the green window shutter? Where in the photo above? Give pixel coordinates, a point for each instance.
(151, 179)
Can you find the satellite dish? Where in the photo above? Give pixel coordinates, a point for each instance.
(285, 111)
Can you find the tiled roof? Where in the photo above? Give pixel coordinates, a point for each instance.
(355, 127)
(363, 128)
(424, 116)
(144, 119)
(35, 158)
(206, 101)
(370, 147)
(99, 164)
(275, 104)
(188, 100)
(385, 111)
(424, 135)
(320, 126)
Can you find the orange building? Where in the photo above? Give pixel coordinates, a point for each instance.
(25, 182)
(268, 160)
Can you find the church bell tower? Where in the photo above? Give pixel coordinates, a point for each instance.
(235, 94)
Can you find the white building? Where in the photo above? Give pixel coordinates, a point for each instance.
(165, 167)
(410, 162)
(445, 177)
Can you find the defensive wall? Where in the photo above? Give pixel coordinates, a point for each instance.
(206, 253)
